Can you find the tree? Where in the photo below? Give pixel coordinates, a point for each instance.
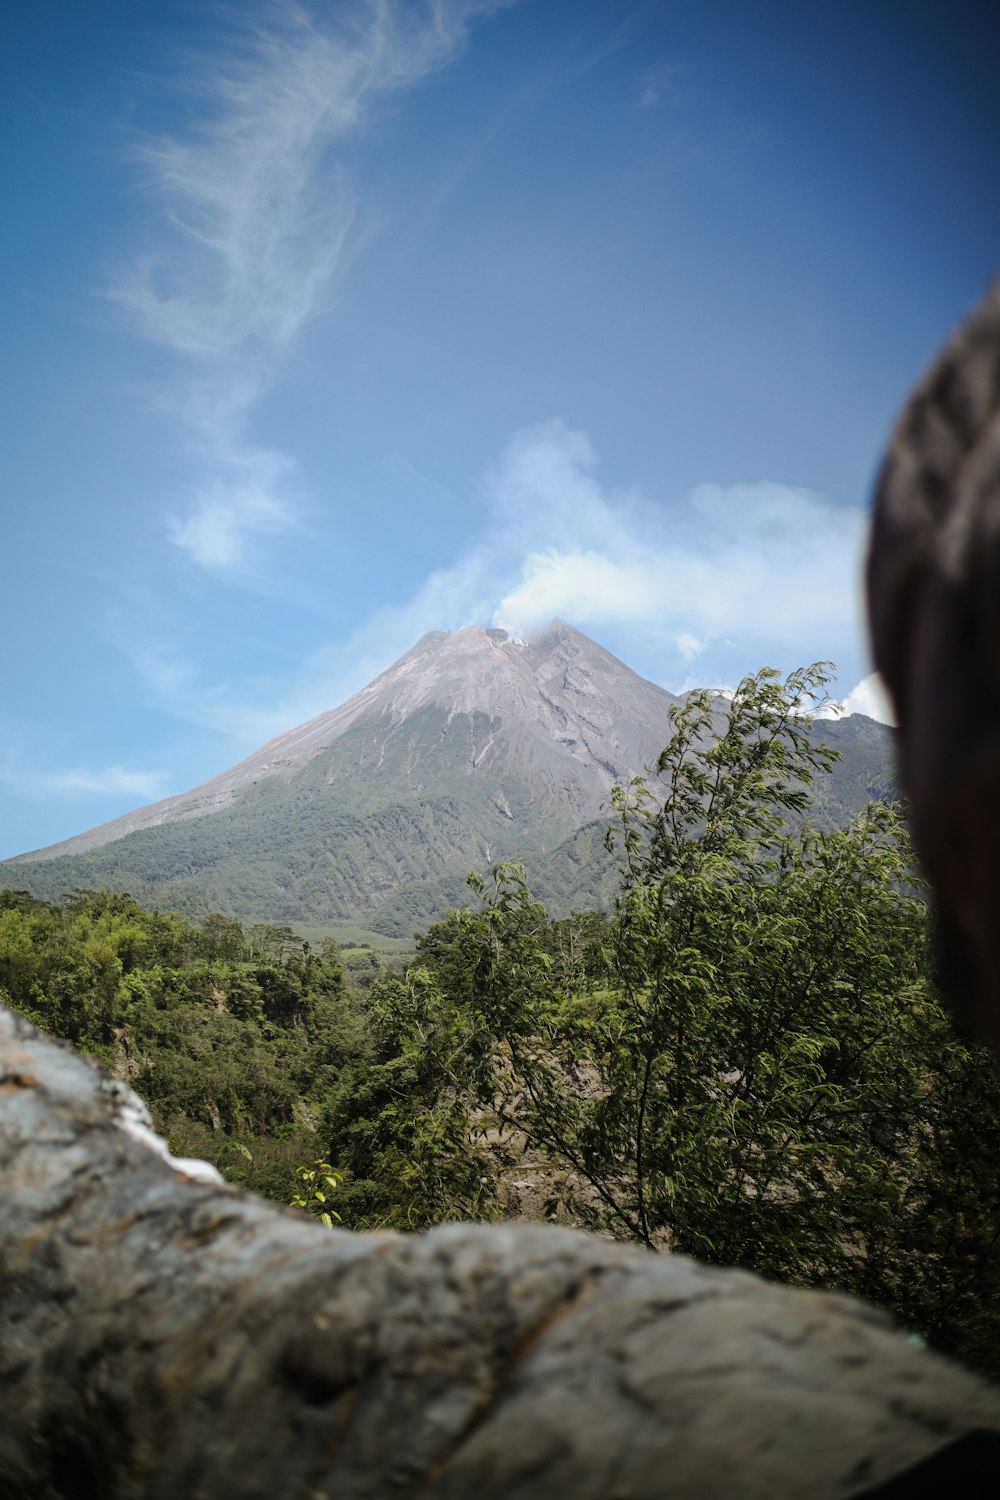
(766, 1079)
(398, 1117)
(228, 1052)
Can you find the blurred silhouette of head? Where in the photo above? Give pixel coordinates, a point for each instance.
(934, 612)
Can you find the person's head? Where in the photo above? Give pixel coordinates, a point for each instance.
(934, 613)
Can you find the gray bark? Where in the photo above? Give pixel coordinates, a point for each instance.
(164, 1337)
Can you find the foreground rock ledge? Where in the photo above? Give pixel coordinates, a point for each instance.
(162, 1337)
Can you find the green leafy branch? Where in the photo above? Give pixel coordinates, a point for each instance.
(316, 1182)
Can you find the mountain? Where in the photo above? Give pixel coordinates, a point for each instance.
(472, 747)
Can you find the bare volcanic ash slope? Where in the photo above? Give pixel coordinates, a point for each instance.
(472, 747)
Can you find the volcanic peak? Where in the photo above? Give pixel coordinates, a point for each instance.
(559, 703)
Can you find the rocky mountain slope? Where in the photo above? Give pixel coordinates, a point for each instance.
(472, 747)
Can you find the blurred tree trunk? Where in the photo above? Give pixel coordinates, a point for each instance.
(163, 1337)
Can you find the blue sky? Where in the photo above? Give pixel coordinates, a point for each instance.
(331, 324)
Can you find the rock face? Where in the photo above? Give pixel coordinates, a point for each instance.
(471, 748)
(160, 1337)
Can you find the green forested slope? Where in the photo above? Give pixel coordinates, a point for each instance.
(381, 829)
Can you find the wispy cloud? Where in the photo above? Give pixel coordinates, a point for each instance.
(233, 508)
(253, 216)
(689, 645)
(111, 781)
(80, 781)
(26, 767)
(656, 83)
(254, 206)
(248, 713)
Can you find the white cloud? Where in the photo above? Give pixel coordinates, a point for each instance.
(765, 569)
(867, 697)
(689, 645)
(254, 219)
(765, 564)
(757, 560)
